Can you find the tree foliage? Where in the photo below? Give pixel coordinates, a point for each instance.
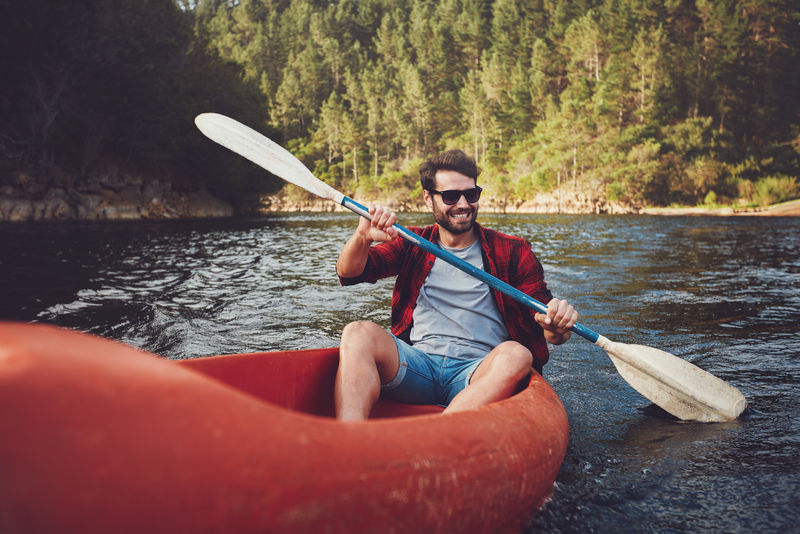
(95, 86)
(628, 100)
(638, 101)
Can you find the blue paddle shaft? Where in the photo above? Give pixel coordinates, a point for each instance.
(470, 269)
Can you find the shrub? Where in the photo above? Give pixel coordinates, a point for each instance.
(615, 191)
(777, 188)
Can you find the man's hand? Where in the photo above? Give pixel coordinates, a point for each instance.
(380, 227)
(558, 320)
(353, 257)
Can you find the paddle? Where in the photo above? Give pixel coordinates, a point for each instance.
(677, 386)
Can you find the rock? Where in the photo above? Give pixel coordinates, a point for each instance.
(15, 210)
(120, 212)
(113, 198)
(203, 204)
(155, 189)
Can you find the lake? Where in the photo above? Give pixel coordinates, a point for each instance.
(720, 292)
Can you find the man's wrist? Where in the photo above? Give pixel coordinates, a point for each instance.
(556, 338)
(362, 240)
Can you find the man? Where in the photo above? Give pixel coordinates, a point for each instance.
(455, 341)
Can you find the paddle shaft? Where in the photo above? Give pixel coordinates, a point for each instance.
(470, 269)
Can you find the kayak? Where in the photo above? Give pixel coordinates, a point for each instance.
(97, 436)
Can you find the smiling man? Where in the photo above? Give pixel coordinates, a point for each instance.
(454, 341)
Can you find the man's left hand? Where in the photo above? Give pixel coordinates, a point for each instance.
(558, 320)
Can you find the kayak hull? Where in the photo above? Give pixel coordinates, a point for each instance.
(96, 436)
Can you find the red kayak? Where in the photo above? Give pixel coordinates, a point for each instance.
(96, 436)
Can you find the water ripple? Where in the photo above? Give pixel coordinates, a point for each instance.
(721, 293)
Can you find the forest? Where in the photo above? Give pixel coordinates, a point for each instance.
(645, 103)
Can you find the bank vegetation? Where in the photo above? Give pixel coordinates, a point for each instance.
(613, 104)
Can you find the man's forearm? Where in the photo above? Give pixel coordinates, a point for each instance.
(353, 257)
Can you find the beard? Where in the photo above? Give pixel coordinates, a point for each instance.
(455, 225)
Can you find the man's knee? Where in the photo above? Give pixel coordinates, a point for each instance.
(367, 342)
(360, 332)
(513, 361)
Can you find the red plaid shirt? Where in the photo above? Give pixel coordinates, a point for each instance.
(505, 257)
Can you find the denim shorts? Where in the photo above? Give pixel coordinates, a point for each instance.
(424, 378)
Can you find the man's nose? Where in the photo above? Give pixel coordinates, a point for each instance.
(462, 202)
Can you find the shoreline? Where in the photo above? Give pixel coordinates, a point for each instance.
(167, 204)
(101, 202)
(542, 204)
(783, 209)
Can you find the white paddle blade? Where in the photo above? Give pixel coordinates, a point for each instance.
(263, 152)
(677, 386)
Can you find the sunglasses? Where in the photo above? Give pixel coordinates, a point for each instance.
(451, 196)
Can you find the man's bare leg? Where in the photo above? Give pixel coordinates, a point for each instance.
(495, 378)
(367, 358)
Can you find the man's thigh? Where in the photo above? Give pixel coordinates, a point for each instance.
(457, 375)
(415, 382)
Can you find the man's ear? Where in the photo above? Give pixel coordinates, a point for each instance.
(427, 197)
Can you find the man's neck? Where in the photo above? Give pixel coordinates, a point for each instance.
(451, 240)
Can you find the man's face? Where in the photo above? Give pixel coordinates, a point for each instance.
(459, 217)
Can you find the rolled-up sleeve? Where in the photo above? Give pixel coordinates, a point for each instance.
(383, 260)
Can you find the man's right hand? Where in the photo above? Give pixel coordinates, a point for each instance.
(353, 257)
(380, 227)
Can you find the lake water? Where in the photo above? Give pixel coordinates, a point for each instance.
(723, 293)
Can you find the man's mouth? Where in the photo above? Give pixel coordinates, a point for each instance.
(462, 215)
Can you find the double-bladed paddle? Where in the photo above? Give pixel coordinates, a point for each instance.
(677, 386)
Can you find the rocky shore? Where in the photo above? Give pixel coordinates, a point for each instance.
(569, 202)
(110, 197)
(290, 200)
(784, 209)
(115, 197)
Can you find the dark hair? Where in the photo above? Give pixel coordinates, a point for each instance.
(450, 160)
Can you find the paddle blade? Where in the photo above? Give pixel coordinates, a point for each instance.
(263, 152)
(677, 386)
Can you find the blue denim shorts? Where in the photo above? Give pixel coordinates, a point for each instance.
(424, 378)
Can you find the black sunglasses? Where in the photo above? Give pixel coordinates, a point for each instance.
(451, 196)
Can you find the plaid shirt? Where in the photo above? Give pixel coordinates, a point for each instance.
(505, 257)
